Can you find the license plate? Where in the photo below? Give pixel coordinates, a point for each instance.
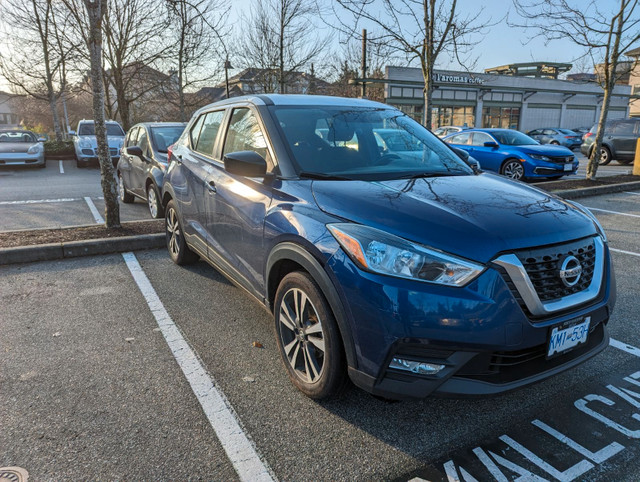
(565, 337)
(568, 167)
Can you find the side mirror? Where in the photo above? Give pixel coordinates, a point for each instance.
(134, 151)
(473, 164)
(72, 133)
(491, 144)
(42, 139)
(245, 163)
(461, 153)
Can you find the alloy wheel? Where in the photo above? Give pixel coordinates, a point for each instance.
(513, 170)
(152, 200)
(302, 335)
(173, 231)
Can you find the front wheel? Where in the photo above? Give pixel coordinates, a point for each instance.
(153, 201)
(513, 169)
(605, 156)
(176, 244)
(308, 337)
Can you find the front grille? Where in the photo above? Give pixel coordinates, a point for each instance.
(87, 152)
(543, 267)
(562, 159)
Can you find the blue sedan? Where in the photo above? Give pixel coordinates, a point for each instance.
(514, 154)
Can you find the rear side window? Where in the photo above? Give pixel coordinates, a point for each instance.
(206, 137)
(131, 137)
(479, 138)
(244, 134)
(459, 139)
(623, 128)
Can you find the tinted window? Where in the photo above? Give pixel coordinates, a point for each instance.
(194, 133)
(459, 139)
(88, 129)
(568, 132)
(623, 128)
(163, 137)
(131, 136)
(143, 141)
(209, 132)
(479, 138)
(345, 141)
(536, 132)
(244, 134)
(549, 132)
(18, 136)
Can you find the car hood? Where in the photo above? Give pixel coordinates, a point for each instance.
(114, 141)
(475, 217)
(16, 146)
(545, 150)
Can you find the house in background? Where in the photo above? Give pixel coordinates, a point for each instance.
(264, 81)
(8, 117)
(634, 82)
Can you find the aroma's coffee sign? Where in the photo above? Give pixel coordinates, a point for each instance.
(457, 79)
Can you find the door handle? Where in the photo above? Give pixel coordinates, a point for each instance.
(211, 186)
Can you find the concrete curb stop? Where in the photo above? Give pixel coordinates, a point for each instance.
(73, 249)
(597, 190)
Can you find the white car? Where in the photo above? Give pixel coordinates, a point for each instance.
(86, 145)
(20, 147)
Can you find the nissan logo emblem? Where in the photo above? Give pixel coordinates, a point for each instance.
(570, 271)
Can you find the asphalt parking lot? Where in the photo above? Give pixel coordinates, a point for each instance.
(62, 195)
(130, 367)
(56, 196)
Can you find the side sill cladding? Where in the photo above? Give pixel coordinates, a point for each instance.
(296, 253)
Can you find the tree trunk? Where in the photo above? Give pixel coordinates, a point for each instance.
(53, 105)
(594, 158)
(95, 10)
(281, 55)
(123, 107)
(427, 72)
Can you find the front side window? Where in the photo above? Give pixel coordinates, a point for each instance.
(209, 132)
(479, 138)
(163, 137)
(244, 134)
(363, 143)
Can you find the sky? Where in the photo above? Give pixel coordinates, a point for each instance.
(501, 44)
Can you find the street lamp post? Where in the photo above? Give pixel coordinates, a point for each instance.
(227, 66)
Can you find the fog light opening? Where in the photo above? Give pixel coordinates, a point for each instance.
(420, 368)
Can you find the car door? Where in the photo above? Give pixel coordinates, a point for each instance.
(126, 165)
(237, 205)
(489, 157)
(548, 135)
(623, 138)
(194, 167)
(140, 164)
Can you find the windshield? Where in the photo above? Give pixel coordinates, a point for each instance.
(163, 137)
(568, 132)
(513, 138)
(89, 130)
(363, 143)
(18, 136)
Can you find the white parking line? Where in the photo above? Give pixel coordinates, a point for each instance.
(38, 201)
(624, 252)
(240, 450)
(634, 193)
(94, 210)
(61, 167)
(624, 347)
(612, 212)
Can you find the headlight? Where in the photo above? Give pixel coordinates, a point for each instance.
(384, 253)
(539, 157)
(35, 149)
(584, 210)
(84, 144)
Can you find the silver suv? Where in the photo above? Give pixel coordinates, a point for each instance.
(86, 145)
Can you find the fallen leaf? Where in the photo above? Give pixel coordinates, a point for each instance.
(129, 339)
(257, 344)
(248, 379)
(57, 333)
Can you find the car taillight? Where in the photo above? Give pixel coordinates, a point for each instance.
(588, 134)
(169, 151)
(568, 137)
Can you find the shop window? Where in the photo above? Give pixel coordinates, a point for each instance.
(501, 117)
(463, 116)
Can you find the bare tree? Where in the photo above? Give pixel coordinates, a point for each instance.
(604, 34)
(132, 36)
(195, 39)
(423, 30)
(88, 20)
(279, 39)
(35, 60)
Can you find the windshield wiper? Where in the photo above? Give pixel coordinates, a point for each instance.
(322, 176)
(421, 175)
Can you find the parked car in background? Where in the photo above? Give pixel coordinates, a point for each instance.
(581, 130)
(21, 148)
(556, 136)
(410, 274)
(86, 145)
(619, 141)
(143, 162)
(444, 131)
(514, 154)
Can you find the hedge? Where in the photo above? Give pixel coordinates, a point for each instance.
(62, 148)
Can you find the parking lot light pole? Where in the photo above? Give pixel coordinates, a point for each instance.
(227, 66)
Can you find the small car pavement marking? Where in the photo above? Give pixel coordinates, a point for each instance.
(240, 450)
(94, 210)
(624, 252)
(61, 167)
(613, 212)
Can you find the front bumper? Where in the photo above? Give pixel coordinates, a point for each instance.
(21, 159)
(537, 168)
(480, 333)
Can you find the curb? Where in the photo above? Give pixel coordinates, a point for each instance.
(76, 226)
(74, 249)
(597, 190)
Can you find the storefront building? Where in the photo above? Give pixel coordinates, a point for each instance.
(495, 100)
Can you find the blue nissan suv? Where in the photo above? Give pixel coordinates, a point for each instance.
(400, 267)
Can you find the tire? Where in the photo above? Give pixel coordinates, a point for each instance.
(513, 169)
(555, 143)
(308, 338)
(176, 245)
(605, 156)
(153, 202)
(125, 197)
